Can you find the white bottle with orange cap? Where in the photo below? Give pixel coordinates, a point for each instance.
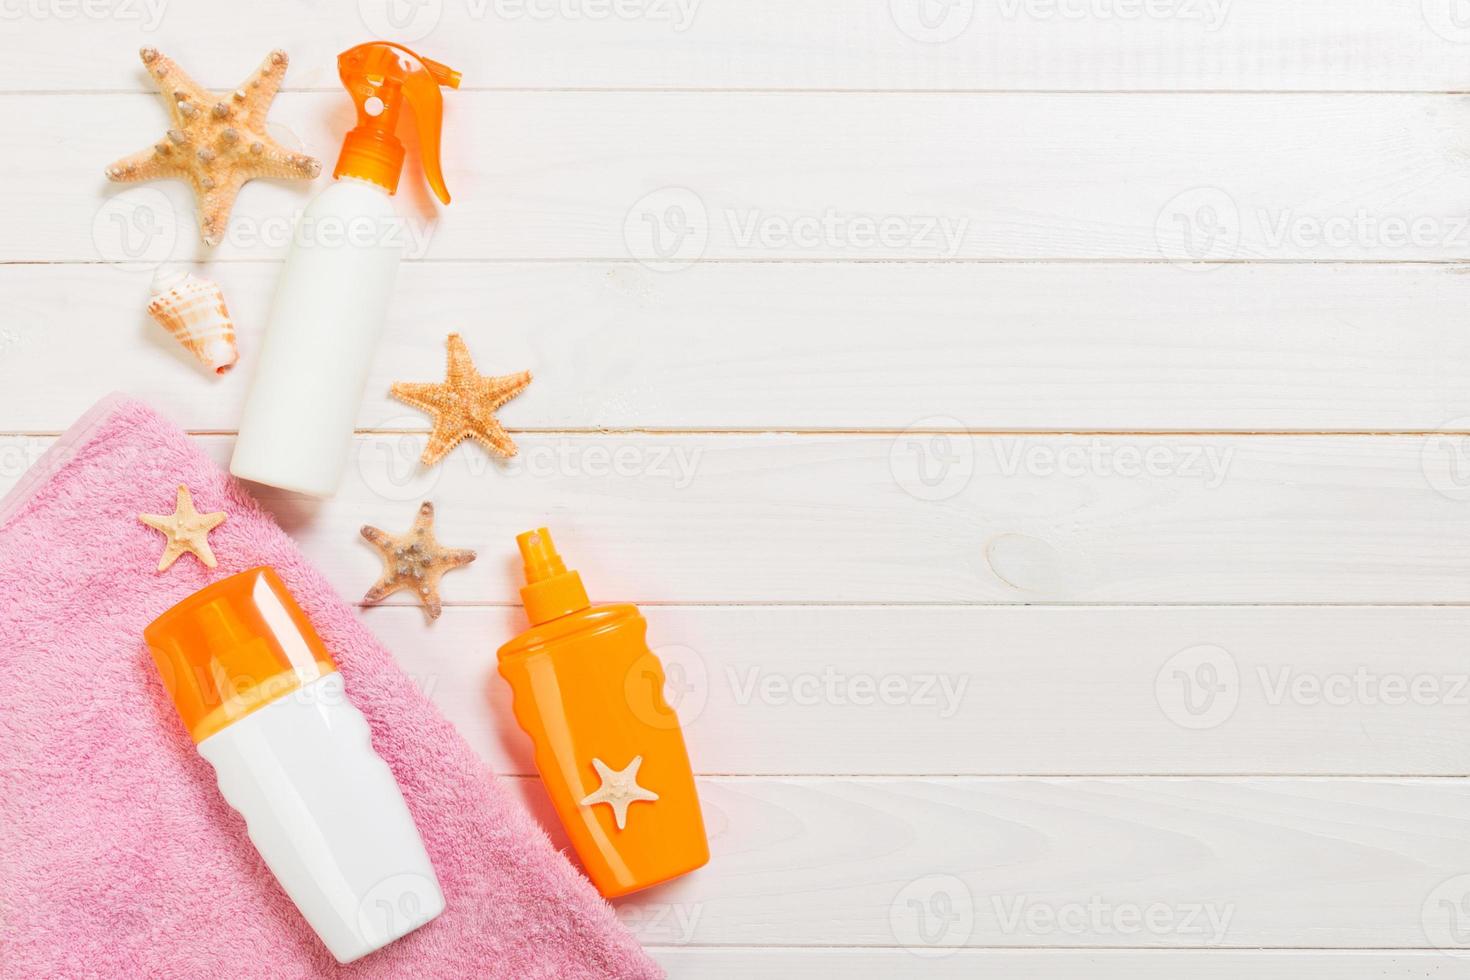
(264, 703)
(332, 298)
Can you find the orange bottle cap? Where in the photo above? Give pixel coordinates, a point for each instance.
(550, 591)
(380, 76)
(232, 648)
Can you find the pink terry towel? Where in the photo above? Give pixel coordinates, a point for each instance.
(118, 857)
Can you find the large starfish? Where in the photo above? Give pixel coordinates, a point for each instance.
(463, 404)
(186, 530)
(414, 560)
(217, 142)
(619, 789)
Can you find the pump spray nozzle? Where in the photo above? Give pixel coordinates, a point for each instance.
(380, 76)
(550, 590)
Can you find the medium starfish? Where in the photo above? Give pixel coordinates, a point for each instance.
(619, 789)
(217, 142)
(186, 530)
(414, 560)
(463, 404)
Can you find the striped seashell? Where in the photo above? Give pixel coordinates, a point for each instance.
(192, 308)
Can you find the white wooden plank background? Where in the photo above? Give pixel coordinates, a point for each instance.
(1093, 347)
(1012, 690)
(808, 176)
(1106, 556)
(883, 964)
(1228, 863)
(918, 517)
(1236, 45)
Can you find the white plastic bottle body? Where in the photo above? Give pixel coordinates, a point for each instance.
(328, 817)
(324, 327)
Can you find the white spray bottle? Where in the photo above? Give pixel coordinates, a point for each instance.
(296, 432)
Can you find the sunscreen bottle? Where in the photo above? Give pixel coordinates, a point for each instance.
(264, 703)
(589, 692)
(332, 297)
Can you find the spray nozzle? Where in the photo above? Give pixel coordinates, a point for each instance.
(380, 77)
(551, 590)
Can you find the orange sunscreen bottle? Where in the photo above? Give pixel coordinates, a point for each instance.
(589, 692)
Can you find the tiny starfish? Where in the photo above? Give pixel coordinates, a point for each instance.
(218, 142)
(186, 530)
(414, 560)
(463, 405)
(619, 788)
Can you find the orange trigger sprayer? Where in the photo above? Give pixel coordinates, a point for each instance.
(332, 297)
(380, 76)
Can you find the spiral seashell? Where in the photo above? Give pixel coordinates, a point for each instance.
(192, 309)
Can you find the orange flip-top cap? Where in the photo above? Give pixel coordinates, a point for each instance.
(232, 648)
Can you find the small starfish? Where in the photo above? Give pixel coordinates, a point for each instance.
(619, 788)
(186, 530)
(414, 560)
(463, 404)
(218, 142)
